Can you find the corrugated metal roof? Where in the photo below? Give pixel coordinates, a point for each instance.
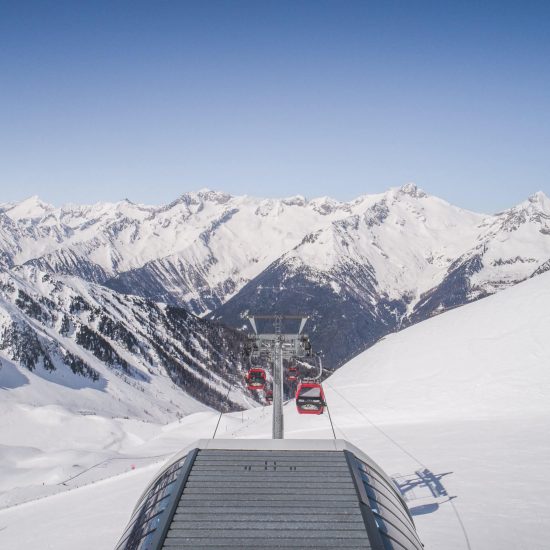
(268, 499)
(271, 494)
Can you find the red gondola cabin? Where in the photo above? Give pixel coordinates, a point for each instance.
(292, 374)
(310, 398)
(269, 396)
(255, 379)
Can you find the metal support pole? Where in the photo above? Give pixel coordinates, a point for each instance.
(278, 427)
(276, 347)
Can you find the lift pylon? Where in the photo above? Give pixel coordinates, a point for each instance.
(275, 347)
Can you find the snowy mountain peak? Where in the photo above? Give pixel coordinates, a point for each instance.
(327, 205)
(197, 199)
(413, 190)
(535, 210)
(296, 200)
(541, 200)
(209, 195)
(30, 208)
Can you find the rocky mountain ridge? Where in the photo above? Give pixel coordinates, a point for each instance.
(381, 261)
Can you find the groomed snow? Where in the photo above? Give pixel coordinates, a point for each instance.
(463, 397)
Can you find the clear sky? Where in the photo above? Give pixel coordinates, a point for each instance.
(147, 100)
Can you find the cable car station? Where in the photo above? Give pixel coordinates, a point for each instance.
(269, 494)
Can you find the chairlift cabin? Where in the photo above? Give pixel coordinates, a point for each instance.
(255, 379)
(310, 398)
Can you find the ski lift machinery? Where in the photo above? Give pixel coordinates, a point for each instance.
(276, 347)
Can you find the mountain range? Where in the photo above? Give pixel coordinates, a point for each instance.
(360, 269)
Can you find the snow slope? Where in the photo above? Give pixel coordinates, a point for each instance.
(81, 346)
(458, 405)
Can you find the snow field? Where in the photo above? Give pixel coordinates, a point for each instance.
(456, 409)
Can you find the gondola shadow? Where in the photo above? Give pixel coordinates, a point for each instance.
(423, 488)
(424, 509)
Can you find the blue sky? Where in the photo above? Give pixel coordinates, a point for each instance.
(147, 100)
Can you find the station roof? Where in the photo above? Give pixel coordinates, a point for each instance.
(271, 494)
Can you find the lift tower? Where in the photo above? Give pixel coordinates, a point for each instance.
(275, 347)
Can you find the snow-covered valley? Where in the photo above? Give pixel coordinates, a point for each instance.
(456, 409)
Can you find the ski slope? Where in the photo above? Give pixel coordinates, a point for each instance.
(456, 409)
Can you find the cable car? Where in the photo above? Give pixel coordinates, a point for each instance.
(255, 379)
(310, 398)
(292, 374)
(269, 396)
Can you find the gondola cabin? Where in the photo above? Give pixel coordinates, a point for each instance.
(292, 374)
(269, 396)
(255, 379)
(310, 398)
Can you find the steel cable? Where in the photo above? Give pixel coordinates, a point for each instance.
(409, 454)
(330, 419)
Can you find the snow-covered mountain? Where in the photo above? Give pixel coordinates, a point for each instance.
(196, 251)
(68, 342)
(455, 409)
(510, 247)
(361, 268)
(407, 257)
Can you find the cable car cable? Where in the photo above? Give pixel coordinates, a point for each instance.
(409, 454)
(330, 419)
